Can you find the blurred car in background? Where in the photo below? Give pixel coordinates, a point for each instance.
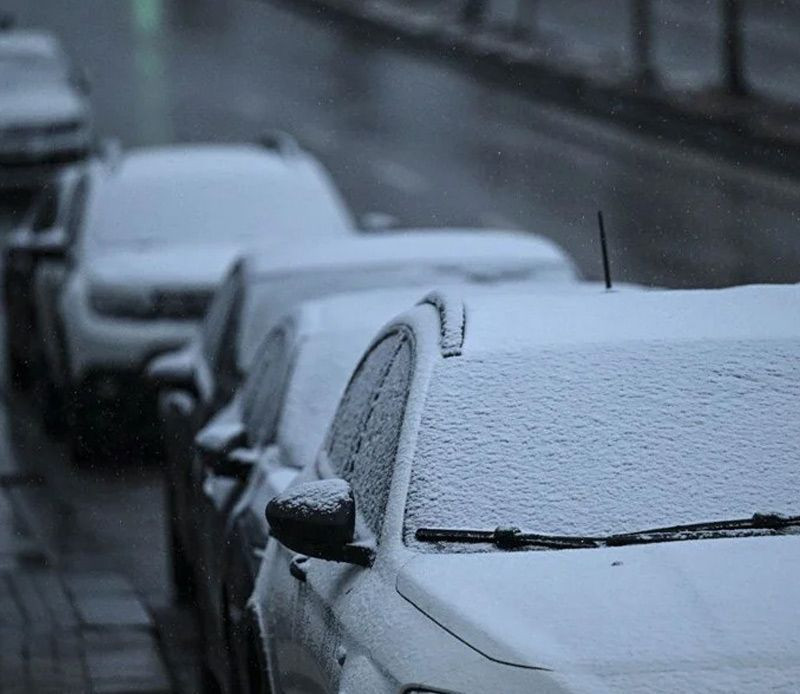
(45, 115)
(39, 235)
(549, 497)
(152, 238)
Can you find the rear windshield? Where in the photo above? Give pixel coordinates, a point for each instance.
(606, 439)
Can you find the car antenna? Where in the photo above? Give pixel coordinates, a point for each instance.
(604, 249)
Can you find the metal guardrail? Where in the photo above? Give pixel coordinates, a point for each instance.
(476, 13)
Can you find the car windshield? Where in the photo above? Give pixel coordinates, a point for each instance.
(598, 440)
(26, 69)
(152, 212)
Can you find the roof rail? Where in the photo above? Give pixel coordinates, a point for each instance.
(280, 142)
(452, 321)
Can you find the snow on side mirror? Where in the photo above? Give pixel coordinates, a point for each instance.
(318, 519)
(174, 370)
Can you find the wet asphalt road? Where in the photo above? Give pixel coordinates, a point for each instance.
(403, 134)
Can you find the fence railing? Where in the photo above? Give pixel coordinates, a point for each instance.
(643, 30)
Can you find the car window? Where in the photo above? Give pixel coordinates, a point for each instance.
(354, 437)
(265, 390)
(217, 317)
(372, 461)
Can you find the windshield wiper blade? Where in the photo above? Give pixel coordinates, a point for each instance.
(504, 538)
(757, 523)
(511, 537)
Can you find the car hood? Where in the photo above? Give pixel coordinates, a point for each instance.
(162, 266)
(631, 616)
(39, 106)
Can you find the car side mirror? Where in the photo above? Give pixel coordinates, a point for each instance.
(174, 370)
(219, 439)
(318, 519)
(236, 464)
(50, 244)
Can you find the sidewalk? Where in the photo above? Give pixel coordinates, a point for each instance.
(64, 632)
(564, 69)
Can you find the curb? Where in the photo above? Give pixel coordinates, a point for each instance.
(654, 112)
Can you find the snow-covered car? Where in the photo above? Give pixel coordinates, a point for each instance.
(45, 116)
(198, 379)
(280, 415)
(154, 236)
(550, 494)
(38, 236)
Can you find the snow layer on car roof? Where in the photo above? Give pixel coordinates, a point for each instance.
(497, 322)
(421, 246)
(605, 414)
(195, 160)
(32, 43)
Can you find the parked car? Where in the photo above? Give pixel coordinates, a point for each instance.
(45, 116)
(152, 240)
(197, 380)
(39, 235)
(273, 428)
(548, 497)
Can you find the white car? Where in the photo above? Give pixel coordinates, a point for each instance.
(549, 493)
(45, 116)
(146, 247)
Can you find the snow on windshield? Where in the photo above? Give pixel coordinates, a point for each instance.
(609, 438)
(212, 208)
(29, 69)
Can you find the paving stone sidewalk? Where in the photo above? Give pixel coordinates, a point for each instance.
(64, 632)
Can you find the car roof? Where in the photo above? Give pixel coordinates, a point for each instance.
(520, 322)
(30, 42)
(193, 161)
(435, 246)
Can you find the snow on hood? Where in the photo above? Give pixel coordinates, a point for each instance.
(34, 105)
(710, 611)
(175, 266)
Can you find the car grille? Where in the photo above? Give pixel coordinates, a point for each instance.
(185, 304)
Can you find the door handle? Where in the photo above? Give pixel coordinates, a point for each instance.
(298, 568)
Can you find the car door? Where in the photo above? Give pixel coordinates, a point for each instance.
(222, 485)
(305, 637)
(18, 269)
(185, 413)
(50, 277)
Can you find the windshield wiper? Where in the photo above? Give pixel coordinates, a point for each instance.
(504, 538)
(513, 538)
(757, 524)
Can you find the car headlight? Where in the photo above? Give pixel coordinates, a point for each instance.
(120, 302)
